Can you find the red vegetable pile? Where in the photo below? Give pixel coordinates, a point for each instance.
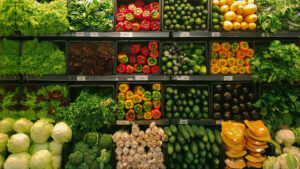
(141, 59)
(137, 16)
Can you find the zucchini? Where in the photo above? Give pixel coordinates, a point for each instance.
(210, 135)
(215, 150)
(167, 131)
(190, 130)
(202, 131)
(218, 137)
(173, 128)
(196, 131)
(184, 132)
(180, 138)
(201, 145)
(194, 148)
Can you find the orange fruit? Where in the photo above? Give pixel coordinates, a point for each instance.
(216, 2)
(239, 10)
(223, 2)
(236, 26)
(224, 8)
(230, 2)
(252, 26)
(244, 26)
(229, 16)
(227, 25)
(238, 18)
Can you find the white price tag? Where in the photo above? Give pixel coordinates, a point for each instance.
(219, 122)
(94, 34)
(263, 34)
(79, 33)
(123, 122)
(184, 34)
(228, 78)
(182, 78)
(183, 121)
(126, 34)
(143, 77)
(130, 79)
(117, 78)
(215, 34)
(80, 78)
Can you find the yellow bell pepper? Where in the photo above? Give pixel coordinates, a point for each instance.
(121, 96)
(139, 90)
(137, 99)
(123, 88)
(129, 95)
(129, 104)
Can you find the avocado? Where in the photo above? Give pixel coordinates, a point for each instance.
(217, 97)
(228, 87)
(227, 96)
(242, 98)
(242, 107)
(226, 106)
(217, 116)
(218, 88)
(217, 106)
(235, 109)
(227, 115)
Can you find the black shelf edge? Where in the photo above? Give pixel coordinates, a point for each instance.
(211, 78)
(196, 122)
(142, 122)
(9, 78)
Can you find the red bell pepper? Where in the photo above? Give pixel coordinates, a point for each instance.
(147, 15)
(146, 69)
(120, 17)
(138, 68)
(128, 25)
(139, 3)
(154, 6)
(141, 59)
(130, 115)
(129, 17)
(147, 8)
(154, 25)
(154, 54)
(155, 15)
(135, 49)
(121, 68)
(145, 51)
(136, 27)
(152, 45)
(138, 13)
(155, 69)
(132, 59)
(120, 26)
(122, 9)
(131, 8)
(129, 69)
(145, 25)
(156, 114)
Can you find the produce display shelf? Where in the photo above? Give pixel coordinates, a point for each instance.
(212, 78)
(196, 122)
(9, 78)
(142, 122)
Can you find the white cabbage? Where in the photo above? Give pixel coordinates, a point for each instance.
(17, 161)
(22, 125)
(35, 147)
(56, 148)
(18, 143)
(61, 133)
(41, 160)
(3, 142)
(56, 162)
(6, 125)
(40, 131)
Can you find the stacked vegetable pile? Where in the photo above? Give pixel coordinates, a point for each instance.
(90, 58)
(231, 58)
(140, 103)
(265, 64)
(29, 145)
(286, 148)
(234, 101)
(86, 15)
(192, 147)
(184, 59)
(9, 57)
(185, 15)
(142, 58)
(278, 15)
(184, 102)
(8, 100)
(232, 14)
(43, 101)
(30, 18)
(42, 58)
(140, 149)
(238, 140)
(91, 152)
(279, 106)
(138, 16)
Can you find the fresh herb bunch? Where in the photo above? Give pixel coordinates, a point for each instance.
(90, 112)
(278, 15)
(279, 62)
(91, 15)
(9, 57)
(280, 105)
(29, 17)
(42, 58)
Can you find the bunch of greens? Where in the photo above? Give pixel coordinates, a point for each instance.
(29, 17)
(8, 97)
(278, 15)
(9, 57)
(90, 112)
(277, 63)
(91, 15)
(280, 105)
(42, 58)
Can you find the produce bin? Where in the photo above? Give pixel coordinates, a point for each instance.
(125, 45)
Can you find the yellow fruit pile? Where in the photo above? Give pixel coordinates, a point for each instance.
(238, 14)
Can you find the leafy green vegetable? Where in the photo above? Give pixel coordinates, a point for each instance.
(91, 15)
(279, 62)
(9, 57)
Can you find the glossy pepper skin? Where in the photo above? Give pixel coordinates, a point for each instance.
(121, 114)
(152, 61)
(154, 54)
(135, 49)
(129, 69)
(146, 69)
(155, 69)
(123, 88)
(129, 17)
(121, 96)
(128, 25)
(152, 45)
(122, 58)
(147, 8)
(122, 9)
(138, 108)
(139, 3)
(130, 115)
(121, 68)
(138, 68)
(154, 6)
(147, 15)
(120, 17)
(147, 106)
(120, 27)
(156, 104)
(146, 96)
(139, 90)
(156, 95)
(141, 59)
(137, 99)
(147, 116)
(145, 26)
(154, 25)
(121, 105)
(131, 8)
(138, 13)
(136, 27)
(155, 15)
(156, 87)
(156, 114)
(145, 51)
(129, 104)
(129, 95)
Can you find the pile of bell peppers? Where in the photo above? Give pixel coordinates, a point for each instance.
(230, 58)
(138, 17)
(139, 103)
(141, 59)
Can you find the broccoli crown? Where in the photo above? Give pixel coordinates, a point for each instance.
(105, 141)
(69, 166)
(81, 146)
(90, 156)
(76, 158)
(91, 138)
(83, 166)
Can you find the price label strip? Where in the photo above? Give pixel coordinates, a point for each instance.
(184, 34)
(183, 121)
(228, 78)
(182, 78)
(215, 34)
(126, 34)
(94, 34)
(80, 78)
(81, 34)
(123, 122)
(141, 78)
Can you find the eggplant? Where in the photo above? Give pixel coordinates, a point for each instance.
(235, 92)
(226, 106)
(218, 88)
(217, 106)
(217, 97)
(254, 115)
(227, 115)
(235, 109)
(245, 90)
(242, 98)
(228, 87)
(251, 96)
(235, 101)
(242, 107)
(246, 115)
(227, 96)
(249, 105)
(237, 117)
(217, 116)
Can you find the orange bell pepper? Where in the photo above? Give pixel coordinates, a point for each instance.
(137, 99)
(250, 53)
(242, 70)
(231, 61)
(230, 54)
(234, 70)
(123, 88)
(248, 70)
(147, 116)
(129, 95)
(239, 62)
(240, 54)
(215, 47)
(215, 69)
(129, 104)
(139, 90)
(156, 87)
(121, 96)
(156, 104)
(224, 70)
(214, 62)
(225, 46)
(244, 45)
(223, 62)
(223, 54)
(247, 61)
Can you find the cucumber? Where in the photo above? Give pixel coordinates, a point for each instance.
(202, 131)
(173, 128)
(194, 148)
(170, 149)
(196, 131)
(184, 133)
(186, 148)
(216, 161)
(208, 146)
(177, 147)
(218, 137)
(201, 145)
(215, 150)
(210, 135)
(172, 139)
(209, 155)
(180, 138)
(167, 131)
(190, 130)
